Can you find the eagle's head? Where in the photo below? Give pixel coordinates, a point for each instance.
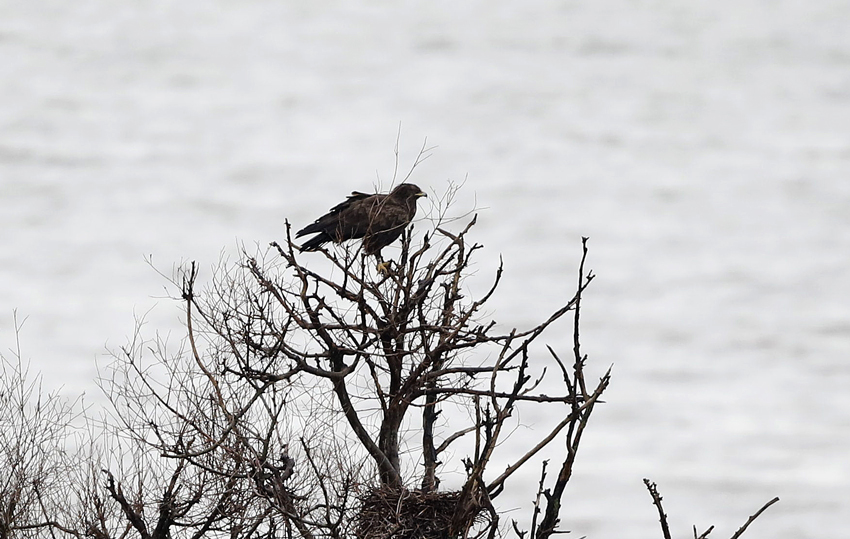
(407, 191)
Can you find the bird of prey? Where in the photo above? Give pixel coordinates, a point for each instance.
(379, 219)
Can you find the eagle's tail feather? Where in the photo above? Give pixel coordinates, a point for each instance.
(315, 242)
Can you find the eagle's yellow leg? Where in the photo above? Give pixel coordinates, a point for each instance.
(383, 267)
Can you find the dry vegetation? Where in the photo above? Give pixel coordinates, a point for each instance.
(312, 396)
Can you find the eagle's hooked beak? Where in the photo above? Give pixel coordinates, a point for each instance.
(421, 194)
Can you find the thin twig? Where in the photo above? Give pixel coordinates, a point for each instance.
(753, 517)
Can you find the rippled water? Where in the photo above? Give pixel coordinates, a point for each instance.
(704, 147)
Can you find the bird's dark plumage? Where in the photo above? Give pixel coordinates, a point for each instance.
(378, 219)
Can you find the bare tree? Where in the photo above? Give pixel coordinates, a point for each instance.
(34, 458)
(314, 391)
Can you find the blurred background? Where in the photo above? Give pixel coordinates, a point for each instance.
(704, 147)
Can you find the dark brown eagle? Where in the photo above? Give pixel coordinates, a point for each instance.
(379, 219)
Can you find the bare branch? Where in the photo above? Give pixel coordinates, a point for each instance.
(656, 499)
(754, 516)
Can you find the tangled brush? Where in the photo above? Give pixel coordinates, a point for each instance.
(392, 514)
